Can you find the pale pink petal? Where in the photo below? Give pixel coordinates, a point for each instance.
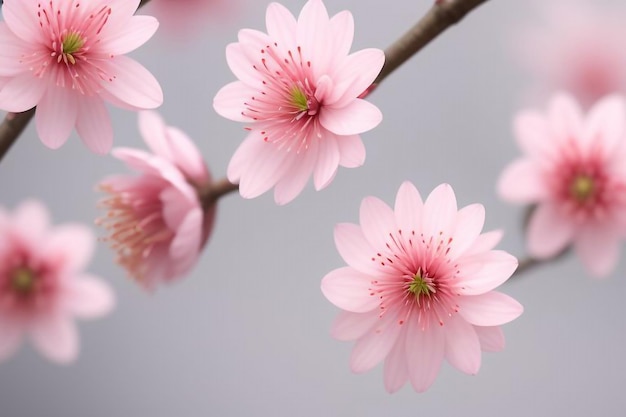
(12, 49)
(490, 309)
(485, 242)
(131, 36)
(354, 248)
(252, 145)
(229, 102)
(396, 372)
(186, 156)
(327, 160)
(377, 221)
(350, 290)
(342, 34)
(533, 133)
(549, 232)
(18, 16)
(152, 128)
(22, 93)
(439, 212)
(93, 125)
(355, 75)
(293, 182)
(462, 345)
(32, 220)
(122, 12)
(605, 125)
(468, 225)
(313, 35)
(132, 83)
(599, 249)
(70, 246)
(523, 182)
(351, 151)
(408, 209)
(56, 116)
(565, 117)
(89, 297)
(264, 169)
(10, 338)
(425, 349)
(281, 24)
(176, 204)
(242, 65)
(491, 338)
(185, 247)
(56, 338)
(351, 326)
(372, 348)
(356, 117)
(484, 271)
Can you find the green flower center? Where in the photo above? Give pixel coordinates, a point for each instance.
(421, 286)
(582, 188)
(299, 99)
(23, 280)
(72, 42)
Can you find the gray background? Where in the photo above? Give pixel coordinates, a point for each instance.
(247, 333)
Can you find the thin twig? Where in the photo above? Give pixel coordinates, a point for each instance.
(441, 16)
(530, 263)
(212, 192)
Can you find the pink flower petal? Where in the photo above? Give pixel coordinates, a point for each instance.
(186, 245)
(485, 242)
(89, 297)
(565, 117)
(396, 372)
(132, 83)
(468, 225)
(356, 117)
(152, 128)
(605, 125)
(355, 75)
(439, 211)
(230, 101)
(327, 161)
(522, 182)
(131, 36)
(489, 309)
(372, 348)
(264, 169)
(70, 247)
(313, 35)
(18, 16)
(354, 248)
(293, 182)
(408, 210)
(351, 151)
(549, 232)
(241, 64)
(186, 156)
(351, 326)
(533, 133)
(342, 34)
(491, 338)
(93, 125)
(56, 338)
(350, 290)
(176, 204)
(377, 222)
(599, 248)
(484, 271)
(22, 93)
(32, 220)
(56, 116)
(462, 345)
(12, 49)
(425, 350)
(281, 24)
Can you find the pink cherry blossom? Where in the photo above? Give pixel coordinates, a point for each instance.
(43, 285)
(67, 58)
(578, 48)
(156, 221)
(574, 170)
(298, 91)
(418, 287)
(180, 17)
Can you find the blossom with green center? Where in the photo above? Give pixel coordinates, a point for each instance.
(420, 286)
(299, 99)
(582, 188)
(72, 42)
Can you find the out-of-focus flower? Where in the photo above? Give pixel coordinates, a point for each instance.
(180, 17)
(418, 287)
(579, 49)
(574, 169)
(43, 285)
(298, 91)
(67, 58)
(156, 220)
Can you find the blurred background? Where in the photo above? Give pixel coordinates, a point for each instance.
(247, 333)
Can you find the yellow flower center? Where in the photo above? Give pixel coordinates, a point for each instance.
(23, 280)
(72, 42)
(582, 188)
(299, 99)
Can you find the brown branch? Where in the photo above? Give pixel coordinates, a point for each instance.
(209, 194)
(530, 263)
(442, 15)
